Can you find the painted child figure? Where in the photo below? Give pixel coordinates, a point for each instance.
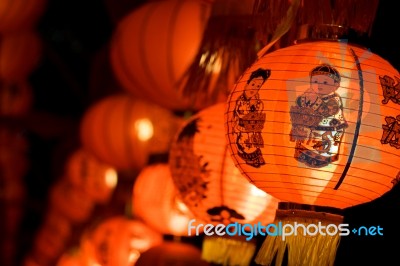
(317, 119)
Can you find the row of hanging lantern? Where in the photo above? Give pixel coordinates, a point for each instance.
(300, 136)
(20, 53)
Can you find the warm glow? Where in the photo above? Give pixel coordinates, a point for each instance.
(111, 178)
(214, 66)
(144, 129)
(133, 257)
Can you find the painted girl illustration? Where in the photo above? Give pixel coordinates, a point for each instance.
(250, 118)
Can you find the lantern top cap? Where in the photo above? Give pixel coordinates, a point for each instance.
(329, 32)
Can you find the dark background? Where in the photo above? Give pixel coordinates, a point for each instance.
(74, 72)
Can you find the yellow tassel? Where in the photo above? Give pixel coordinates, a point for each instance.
(301, 249)
(228, 251)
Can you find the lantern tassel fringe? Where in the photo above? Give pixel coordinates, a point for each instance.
(227, 251)
(301, 249)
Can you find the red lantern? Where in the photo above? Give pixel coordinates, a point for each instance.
(17, 15)
(15, 98)
(172, 253)
(123, 131)
(20, 53)
(70, 201)
(154, 46)
(117, 241)
(95, 177)
(157, 202)
(213, 188)
(314, 123)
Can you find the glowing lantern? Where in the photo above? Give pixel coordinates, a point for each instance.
(15, 98)
(16, 15)
(95, 177)
(117, 241)
(154, 46)
(70, 201)
(314, 123)
(124, 132)
(20, 53)
(171, 253)
(156, 201)
(213, 188)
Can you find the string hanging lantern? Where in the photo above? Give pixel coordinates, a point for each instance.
(311, 124)
(156, 201)
(212, 187)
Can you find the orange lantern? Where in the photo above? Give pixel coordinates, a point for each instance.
(213, 188)
(123, 131)
(15, 98)
(315, 123)
(117, 241)
(70, 201)
(156, 201)
(16, 15)
(172, 253)
(20, 53)
(95, 177)
(154, 46)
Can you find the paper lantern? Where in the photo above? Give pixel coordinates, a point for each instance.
(96, 178)
(17, 15)
(172, 253)
(313, 124)
(70, 201)
(20, 53)
(157, 202)
(123, 131)
(117, 241)
(16, 98)
(213, 188)
(154, 46)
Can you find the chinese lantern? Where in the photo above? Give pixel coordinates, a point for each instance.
(15, 98)
(70, 201)
(117, 241)
(17, 15)
(157, 202)
(312, 124)
(172, 253)
(20, 52)
(95, 177)
(213, 188)
(154, 46)
(123, 131)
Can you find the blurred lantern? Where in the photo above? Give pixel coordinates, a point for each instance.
(15, 98)
(71, 257)
(117, 241)
(172, 253)
(96, 178)
(124, 132)
(20, 53)
(156, 201)
(51, 238)
(315, 123)
(17, 15)
(70, 201)
(213, 188)
(154, 46)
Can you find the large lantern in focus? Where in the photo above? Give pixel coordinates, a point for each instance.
(117, 241)
(154, 46)
(156, 201)
(315, 123)
(213, 188)
(95, 177)
(123, 131)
